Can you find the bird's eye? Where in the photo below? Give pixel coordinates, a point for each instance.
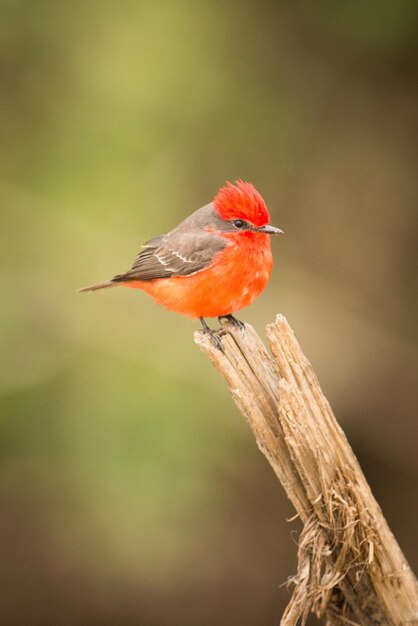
(239, 223)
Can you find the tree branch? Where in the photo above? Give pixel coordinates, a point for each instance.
(350, 567)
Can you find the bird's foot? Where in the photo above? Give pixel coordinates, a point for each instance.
(232, 320)
(213, 334)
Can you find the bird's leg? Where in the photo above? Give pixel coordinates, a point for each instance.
(212, 334)
(232, 320)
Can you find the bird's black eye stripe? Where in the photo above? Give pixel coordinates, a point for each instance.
(240, 224)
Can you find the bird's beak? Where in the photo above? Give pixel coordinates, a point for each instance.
(268, 229)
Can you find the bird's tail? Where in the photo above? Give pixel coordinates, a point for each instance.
(106, 283)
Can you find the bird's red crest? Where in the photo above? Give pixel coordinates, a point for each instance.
(241, 201)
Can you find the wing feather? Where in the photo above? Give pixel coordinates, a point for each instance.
(176, 254)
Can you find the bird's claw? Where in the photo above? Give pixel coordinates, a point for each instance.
(233, 321)
(215, 338)
(213, 334)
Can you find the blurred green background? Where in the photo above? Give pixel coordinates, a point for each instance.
(131, 490)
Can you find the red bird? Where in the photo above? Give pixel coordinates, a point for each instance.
(214, 263)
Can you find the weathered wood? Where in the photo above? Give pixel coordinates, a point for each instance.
(350, 567)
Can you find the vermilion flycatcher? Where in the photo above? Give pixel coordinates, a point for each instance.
(214, 263)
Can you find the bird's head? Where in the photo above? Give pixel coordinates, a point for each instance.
(243, 207)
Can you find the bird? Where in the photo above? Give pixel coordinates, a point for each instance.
(214, 263)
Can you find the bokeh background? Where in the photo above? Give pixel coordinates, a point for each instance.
(131, 490)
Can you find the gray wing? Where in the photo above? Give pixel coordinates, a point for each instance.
(175, 254)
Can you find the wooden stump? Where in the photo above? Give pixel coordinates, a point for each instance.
(350, 567)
